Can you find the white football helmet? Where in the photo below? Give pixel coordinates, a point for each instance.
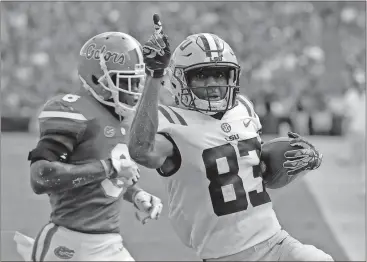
(102, 74)
(198, 51)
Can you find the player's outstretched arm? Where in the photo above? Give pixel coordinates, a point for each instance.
(50, 172)
(55, 177)
(147, 147)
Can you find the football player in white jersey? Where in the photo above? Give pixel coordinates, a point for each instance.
(207, 149)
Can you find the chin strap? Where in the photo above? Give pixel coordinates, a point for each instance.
(89, 89)
(85, 85)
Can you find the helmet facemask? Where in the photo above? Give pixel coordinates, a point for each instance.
(124, 99)
(207, 98)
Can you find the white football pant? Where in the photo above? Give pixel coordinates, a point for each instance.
(280, 247)
(56, 243)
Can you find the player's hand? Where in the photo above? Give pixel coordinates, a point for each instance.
(150, 205)
(156, 51)
(307, 158)
(125, 168)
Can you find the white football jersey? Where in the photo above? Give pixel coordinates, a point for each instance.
(217, 202)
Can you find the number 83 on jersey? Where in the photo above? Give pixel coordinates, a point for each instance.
(223, 166)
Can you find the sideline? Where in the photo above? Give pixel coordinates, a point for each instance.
(338, 192)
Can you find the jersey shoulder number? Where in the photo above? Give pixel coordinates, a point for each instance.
(64, 106)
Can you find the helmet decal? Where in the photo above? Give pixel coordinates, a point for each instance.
(210, 44)
(112, 69)
(93, 53)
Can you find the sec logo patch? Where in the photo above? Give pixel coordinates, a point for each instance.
(226, 127)
(64, 252)
(109, 131)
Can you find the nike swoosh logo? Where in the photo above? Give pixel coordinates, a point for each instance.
(247, 124)
(187, 54)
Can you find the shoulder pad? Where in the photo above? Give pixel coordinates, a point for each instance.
(248, 104)
(250, 109)
(62, 115)
(64, 106)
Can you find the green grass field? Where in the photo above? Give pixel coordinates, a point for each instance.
(21, 210)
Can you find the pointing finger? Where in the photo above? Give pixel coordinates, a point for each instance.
(157, 24)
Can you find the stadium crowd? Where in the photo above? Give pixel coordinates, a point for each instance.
(297, 57)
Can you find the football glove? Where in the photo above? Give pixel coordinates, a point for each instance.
(156, 51)
(124, 168)
(150, 205)
(308, 158)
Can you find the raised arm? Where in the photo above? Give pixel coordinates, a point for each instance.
(147, 147)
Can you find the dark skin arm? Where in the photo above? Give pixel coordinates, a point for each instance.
(56, 177)
(146, 147)
(130, 193)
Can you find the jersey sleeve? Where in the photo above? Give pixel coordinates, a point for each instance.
(168, 117)
(250, 110)
(60, 117)
(164, 119)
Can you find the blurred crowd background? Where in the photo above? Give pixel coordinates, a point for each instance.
(300, 60)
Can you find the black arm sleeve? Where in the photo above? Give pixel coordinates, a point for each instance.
(50, 150)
